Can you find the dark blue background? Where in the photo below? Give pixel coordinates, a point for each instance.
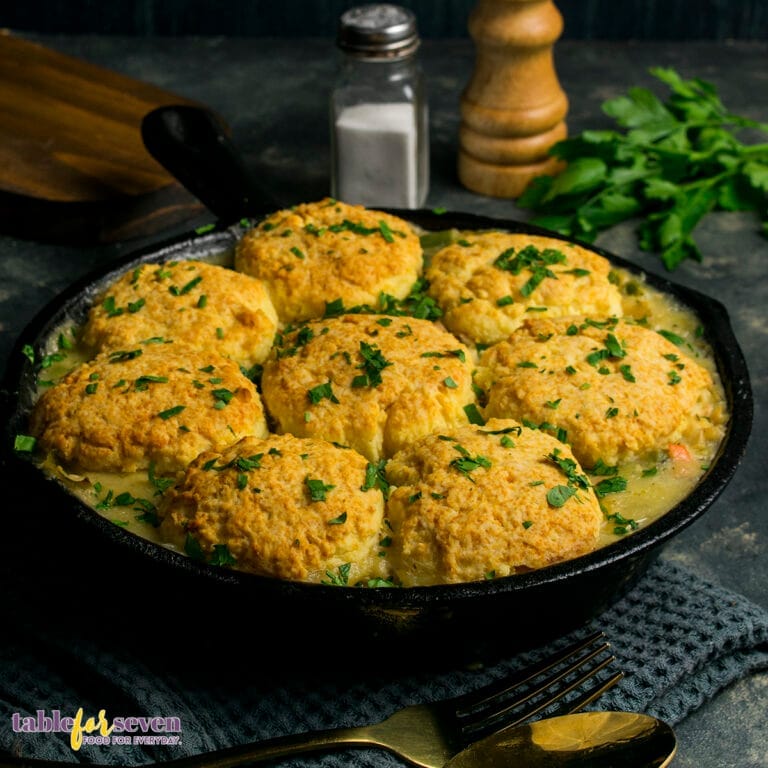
(584, 19)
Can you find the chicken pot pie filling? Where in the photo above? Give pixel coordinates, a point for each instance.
(585, 426)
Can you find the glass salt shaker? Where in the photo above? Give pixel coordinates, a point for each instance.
(379, 114)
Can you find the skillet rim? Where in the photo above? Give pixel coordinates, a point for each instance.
(20, 373)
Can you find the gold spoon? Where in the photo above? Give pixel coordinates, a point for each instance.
(583, 740)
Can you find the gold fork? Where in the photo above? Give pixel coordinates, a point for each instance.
(428, 735)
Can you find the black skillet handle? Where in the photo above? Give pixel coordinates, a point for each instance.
(193, 145)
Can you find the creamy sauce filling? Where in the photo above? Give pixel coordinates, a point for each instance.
(652, 489)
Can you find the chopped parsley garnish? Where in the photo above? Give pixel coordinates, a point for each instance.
(450, 353)
(193, 549)
(559, 432)
(506, 431)
(221, 556)
(54, 357)
(614, 347)
(375, 477)
(611, 350)
(110, 307)
(221, 397)
(161, 483)
(626, 372)
(176, 291)
(416, 304)
(334, 308)
(473, 414)
(135, 306)
(24, 443)
(340, 520)
(557, 496)
(623, 524)
(467, 463)
(386, 232)
(122, 356)
(569, 468)
(170, 412)
(372, 366)
(317, 489)
(378, 582)
(603, 469)
(64, 342)
(142, 383)
(240, 463)
(678, 341)
(340, 578)
(615, 484)
(321, 392)
(538, 262)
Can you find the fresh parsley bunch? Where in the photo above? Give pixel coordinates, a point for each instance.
(673, 162)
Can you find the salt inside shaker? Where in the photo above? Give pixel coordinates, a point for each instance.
(379, 114)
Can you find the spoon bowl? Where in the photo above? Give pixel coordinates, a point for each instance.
(594, 739)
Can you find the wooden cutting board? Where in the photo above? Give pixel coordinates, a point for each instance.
(73, 167)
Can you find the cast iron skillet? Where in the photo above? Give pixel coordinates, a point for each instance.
(512, 612)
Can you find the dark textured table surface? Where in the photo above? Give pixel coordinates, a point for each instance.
(273, 94)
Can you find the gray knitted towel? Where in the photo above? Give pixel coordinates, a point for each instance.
(679, 640)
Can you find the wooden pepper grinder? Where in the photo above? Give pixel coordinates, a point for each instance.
(513, 108)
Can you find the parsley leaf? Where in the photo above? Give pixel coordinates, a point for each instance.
(667, 164)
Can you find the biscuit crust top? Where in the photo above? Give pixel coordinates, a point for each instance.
(372, 382)
(317, 253)
(489, 283)
(487, 501)
(292, 508)
(158, 404)
(192, 302)
(615, 390)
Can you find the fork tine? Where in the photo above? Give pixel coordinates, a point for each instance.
(470, 702)
(538, 689)
(591, 695)
(505, 712)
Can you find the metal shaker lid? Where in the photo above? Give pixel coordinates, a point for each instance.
(378, 30)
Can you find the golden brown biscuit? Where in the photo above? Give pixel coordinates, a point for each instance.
(488, 283)
(372, 382)
(487, 501)
(613, 389)
(318, 253)
(158, 404)
(205, 305)
(282, 506)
